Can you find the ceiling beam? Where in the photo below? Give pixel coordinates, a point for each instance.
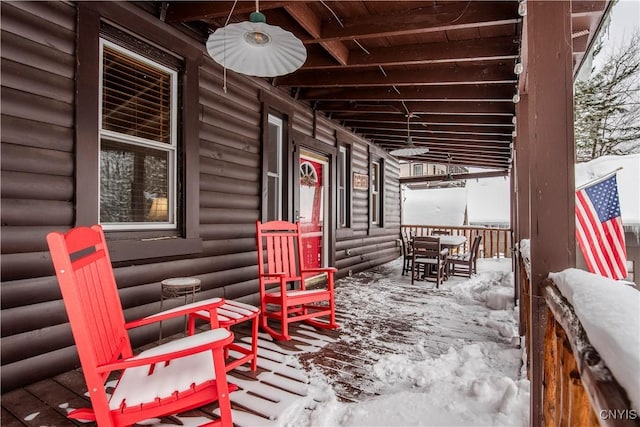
(418, 107)
(463, 161)
(434, 75)
(457, 176)
(583, 7)
(484, 93)
(417, 129)
(491, 49)
(312, 24)
(353, 119)
(435, 137)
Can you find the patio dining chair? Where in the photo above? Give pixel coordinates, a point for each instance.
(284, 295)
(174, 377)
(467, 261)
(407, 254)
(429, 259)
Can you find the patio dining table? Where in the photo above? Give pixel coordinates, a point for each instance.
(451, 242)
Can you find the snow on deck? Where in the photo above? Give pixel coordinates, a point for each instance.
(405, 355)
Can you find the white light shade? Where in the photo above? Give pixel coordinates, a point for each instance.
(237, 48)
(409, 151)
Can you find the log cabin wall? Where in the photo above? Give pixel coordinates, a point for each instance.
(38, 186)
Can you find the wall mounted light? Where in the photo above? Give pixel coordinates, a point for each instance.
(516, 98)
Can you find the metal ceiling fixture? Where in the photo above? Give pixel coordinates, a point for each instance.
(410, 149)
(449, 174)
(255, 48)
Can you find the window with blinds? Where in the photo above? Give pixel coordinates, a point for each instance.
(138, 108)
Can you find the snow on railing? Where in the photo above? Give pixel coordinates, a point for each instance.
(592, 351)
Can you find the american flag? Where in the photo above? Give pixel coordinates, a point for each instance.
(599, 228)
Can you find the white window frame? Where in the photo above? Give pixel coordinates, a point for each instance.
(416, 167)
(342, 188)
(279, 123)
(170, 148)
(375, 192)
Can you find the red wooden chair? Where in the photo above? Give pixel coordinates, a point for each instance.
(171, 378)
(284, 295)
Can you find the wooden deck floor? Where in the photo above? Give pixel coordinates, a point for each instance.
(345, 357)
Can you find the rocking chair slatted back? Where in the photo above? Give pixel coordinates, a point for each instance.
(91, 295)
(284, 297)
(170, 378)
(283, 250)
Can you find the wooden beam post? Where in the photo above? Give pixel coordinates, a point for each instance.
(552, 153)
(523, 226)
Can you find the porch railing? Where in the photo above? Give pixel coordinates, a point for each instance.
(496, 242)
(578, 388)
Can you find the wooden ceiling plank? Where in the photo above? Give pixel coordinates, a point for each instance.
(437, 18)
(436, 75)
(179, 11)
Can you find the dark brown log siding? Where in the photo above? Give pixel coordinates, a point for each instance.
(38, 187)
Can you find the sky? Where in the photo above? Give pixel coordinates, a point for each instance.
(625, 19)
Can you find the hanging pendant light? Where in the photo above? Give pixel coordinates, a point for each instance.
(256, 48)
(410, 149)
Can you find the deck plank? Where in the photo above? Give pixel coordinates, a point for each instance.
(32, 411)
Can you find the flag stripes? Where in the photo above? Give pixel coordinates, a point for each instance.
(599, 229)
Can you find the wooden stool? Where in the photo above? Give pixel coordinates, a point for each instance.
(229, 314)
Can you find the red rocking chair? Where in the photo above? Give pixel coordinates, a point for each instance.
(171, 378)
(284, 295)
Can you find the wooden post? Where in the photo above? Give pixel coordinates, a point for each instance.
(551, 164)
(522, 229)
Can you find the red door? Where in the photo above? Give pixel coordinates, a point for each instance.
(312, 205)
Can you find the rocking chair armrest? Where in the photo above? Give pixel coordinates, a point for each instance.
(273, 275)
(320, 270)
(210, 304)
(198, 343)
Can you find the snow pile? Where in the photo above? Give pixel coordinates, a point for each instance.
(475, 380)
(610, 314)
(436, 206)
